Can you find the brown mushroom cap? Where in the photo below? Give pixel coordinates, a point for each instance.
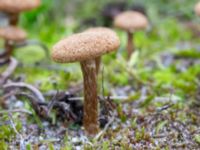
(197, 9)
(16, 6)
(12, 33)
(84, 46)
(131, 21)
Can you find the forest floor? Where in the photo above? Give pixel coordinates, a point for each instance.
(151, 101)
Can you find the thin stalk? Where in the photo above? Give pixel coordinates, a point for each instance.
(13, 21)
(90, 119)
(130, 44)
(98, 62)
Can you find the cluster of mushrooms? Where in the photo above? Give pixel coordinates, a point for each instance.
(13, 36)
(10, 11)
(86, 48)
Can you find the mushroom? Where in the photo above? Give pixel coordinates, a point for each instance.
(101, 30)
(11, 34)
(14, 7)
(130, 21)
(85, 47)
(197, 9)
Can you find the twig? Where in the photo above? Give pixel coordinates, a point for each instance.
(105, 128)
(9, 94)
(34, 90)
(162, 135)
(41, 111)
(122, 98)
(101, 98)
(15, 111)
(165, 107)
(52, 102)
(7, 73)
(51, 140)
(12, 65)
(22, 141)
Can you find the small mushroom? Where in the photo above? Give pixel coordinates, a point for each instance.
(14, 7)
(85, 48)
(130, 21)
(197, 9)
(11, 35)
(102, 30)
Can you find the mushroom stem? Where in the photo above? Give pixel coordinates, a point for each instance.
(8, 49)
(130, 44)
(90, 119)
(98, 62)
(14, 17)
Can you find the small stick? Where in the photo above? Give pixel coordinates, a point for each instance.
(15, 111)
(11, 68)
(7, 73)
(34, 90)
(105, 128)
(52, 102)
(101, 98)
(165, 107)
(22, 141)
(35, 104)
(9, 94)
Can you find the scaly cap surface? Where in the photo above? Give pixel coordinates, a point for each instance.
(84, 46)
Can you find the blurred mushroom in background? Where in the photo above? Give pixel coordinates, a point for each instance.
(13, 8)
(197, 9)
(131, 21)
(106, 15)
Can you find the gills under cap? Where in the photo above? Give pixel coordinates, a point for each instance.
(197, 9)
(131, 21)
(84, 46)
(16, 6)
(12, 33)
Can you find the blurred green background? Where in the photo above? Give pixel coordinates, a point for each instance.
(56, 19)
(165, 64)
